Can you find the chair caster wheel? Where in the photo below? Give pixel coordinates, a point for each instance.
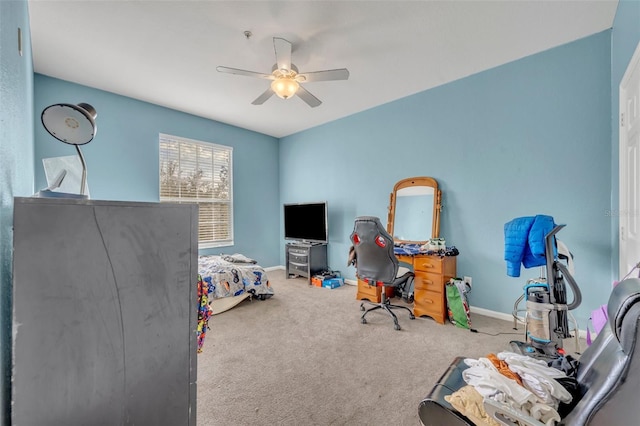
(412, 316)
(397, 327)
(363, 320)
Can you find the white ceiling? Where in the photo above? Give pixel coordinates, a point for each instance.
(166, 52)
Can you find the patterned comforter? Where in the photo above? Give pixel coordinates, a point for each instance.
(227, 279)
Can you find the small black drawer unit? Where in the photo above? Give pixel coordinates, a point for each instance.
(305, 259)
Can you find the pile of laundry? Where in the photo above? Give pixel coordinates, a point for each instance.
(523, 385)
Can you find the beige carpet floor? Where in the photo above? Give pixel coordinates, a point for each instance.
(302, 357)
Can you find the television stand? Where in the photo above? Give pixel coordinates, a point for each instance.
(305, 259)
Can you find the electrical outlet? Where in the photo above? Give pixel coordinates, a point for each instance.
(468, 280)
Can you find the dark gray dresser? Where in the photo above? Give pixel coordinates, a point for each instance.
(104, 313)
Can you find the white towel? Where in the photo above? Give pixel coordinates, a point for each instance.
(490, 383)
(538, 377)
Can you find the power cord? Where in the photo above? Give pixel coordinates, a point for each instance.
(473, 330)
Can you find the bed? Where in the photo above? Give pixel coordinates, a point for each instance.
(232, 276)
(223, 282)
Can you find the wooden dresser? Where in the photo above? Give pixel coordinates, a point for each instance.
(431, 275)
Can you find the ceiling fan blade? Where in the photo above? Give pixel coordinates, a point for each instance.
(245, 73)
(311, 100)
(283, 53)
(339, 74)
(262, 98)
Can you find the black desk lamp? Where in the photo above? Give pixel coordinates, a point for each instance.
(72, 124)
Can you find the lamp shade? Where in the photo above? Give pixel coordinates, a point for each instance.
(72, 124)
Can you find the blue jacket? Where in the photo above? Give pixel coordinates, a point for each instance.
(524, 242)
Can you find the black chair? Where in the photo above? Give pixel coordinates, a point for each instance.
(377, 264)
(608, 376)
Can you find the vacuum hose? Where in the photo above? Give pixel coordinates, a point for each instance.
(577, 295)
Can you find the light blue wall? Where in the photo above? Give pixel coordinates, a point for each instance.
(123, 159)
(535, 136)
(16, 163)
(532, 136)
(625, 38)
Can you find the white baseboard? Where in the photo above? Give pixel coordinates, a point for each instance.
(274, 268)
(474, 309)
(281, 267)
(508, 317)
(492, 314)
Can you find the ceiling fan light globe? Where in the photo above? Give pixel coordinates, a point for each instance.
(284, 87)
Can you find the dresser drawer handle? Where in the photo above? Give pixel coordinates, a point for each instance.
(428, 282)
(428, 301)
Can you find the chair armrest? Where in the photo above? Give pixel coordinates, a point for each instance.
(507, 416)
(433, 409)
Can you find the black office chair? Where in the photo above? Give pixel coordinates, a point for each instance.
(607, 375)
(377, 264)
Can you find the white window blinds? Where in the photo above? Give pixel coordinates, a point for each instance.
(199, 172)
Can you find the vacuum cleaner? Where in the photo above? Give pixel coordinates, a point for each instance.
(547, 314)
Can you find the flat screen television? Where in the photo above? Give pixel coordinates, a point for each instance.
(306, 222)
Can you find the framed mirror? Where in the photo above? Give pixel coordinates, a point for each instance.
(414, 210)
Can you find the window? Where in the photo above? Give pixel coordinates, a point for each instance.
(200, 172)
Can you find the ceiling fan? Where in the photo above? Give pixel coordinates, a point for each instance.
(285, 78)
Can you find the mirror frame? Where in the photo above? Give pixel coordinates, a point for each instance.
(437, 204)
